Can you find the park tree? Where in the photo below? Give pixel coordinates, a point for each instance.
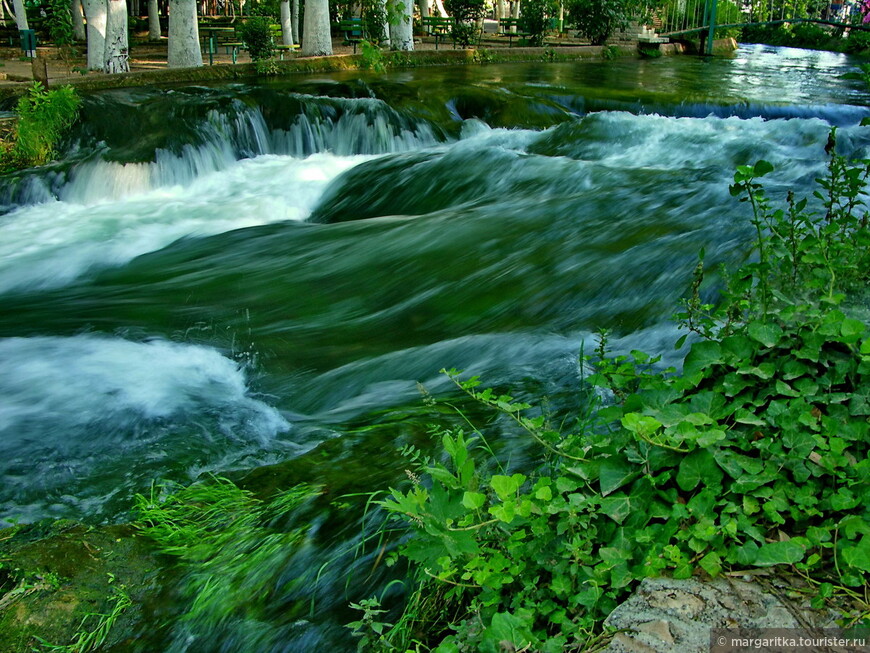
(401, 25)
(20, 14)
(154, 31)
(95, 13)
(287, 33)
(316, 29)
(78, 20)
(184, 49)
(598, 20)
(116, 54)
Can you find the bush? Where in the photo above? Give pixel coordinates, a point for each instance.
(597, 20)
(755, 456)
(535, 19)
(257, 37)
(43, 119)
(465, 15)
(858, 42)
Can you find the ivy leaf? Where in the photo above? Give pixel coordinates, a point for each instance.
(779, 553)
(858, 556)
(613, 474)
(473, 500)
(695, 467)
(765, 333)
(702, 355)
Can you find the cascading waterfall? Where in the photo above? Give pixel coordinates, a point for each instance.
(227, 278)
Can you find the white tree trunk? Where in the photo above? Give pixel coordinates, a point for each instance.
(515, 9)
(294, 19)
(286, 23)
(153, 20)
(441, 10)
(385, 28)
(116, 58)
(499, 10)
(402, 30)
(20, 14)
(184, 49)
(78, 20)
(424, 8)
(95, 12)
(317, 40)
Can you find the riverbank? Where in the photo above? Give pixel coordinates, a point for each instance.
(148, 62)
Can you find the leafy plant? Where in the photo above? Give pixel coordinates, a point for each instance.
(371, 57)
(43, 118)
(597, 21)
(755, 455)
(92, 638)
(535, 19)
(257, 36)
(465, 15)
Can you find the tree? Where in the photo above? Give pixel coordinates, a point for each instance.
(401, 26)
(153, 20)
(116, 54)
(598, 20)
(287, 33)
(20, 14)
(78, 20)
(184, 49)
(316, 36)
(465, 15)
(95, 13)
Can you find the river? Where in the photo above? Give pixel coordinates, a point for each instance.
(259, 277)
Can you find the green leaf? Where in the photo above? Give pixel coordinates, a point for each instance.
(858, 556)
(643, 425)
(614, 473)
(473, 500)
(701, 356)
(779, 553)
(762, 168)
(617, 507)
(696, 467)
(506, 486)
(711, 563)
(765, 333)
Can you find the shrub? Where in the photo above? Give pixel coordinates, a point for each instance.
(597, 21)
(465, 15)
(257, 37)
(43, 119)
(535, 19)
(755, 456)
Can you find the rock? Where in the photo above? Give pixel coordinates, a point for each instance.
(666, 615)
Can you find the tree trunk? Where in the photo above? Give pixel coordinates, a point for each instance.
(184, 49)
(385, 28)
(95, 12)
(440, 7)
(402, 30)
(294, 20)
(78, 20)
(424, 8)
(317, 40)
(20, 14)
(286, 23)
(153, 20)
(116, 58)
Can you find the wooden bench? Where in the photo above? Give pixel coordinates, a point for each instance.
(277, 35)
(439, 28)
(352, 30)
(510, 27)
(221, 36)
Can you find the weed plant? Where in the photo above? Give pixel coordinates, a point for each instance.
(43, 119)
(754, 455)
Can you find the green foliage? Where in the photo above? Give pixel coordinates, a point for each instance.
(465, 15)
(858, 42)
(597, 21)
(754, 456)
(227, 542)
(256, 34)
(43, 119)
(267, 67)
(535, 19)
(374, 19)
(59, 22)
(371, 57)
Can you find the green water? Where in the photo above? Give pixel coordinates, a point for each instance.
(253, 279)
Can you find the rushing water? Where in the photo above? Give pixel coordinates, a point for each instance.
(224, 278)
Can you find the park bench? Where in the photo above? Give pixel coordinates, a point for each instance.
(221, 36)
(438, 28)
(352, 31)
(510, 27)
(277, 36)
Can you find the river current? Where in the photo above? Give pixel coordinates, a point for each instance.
(235, 277)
